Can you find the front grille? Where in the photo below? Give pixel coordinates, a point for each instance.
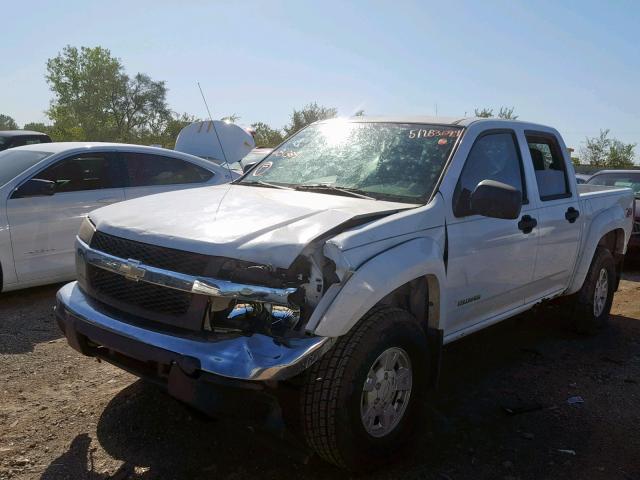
(115, 288)
(152, 255)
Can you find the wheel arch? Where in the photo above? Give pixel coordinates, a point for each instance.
(606, 230)
(408, 275)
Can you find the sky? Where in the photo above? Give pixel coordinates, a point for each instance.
(574, 65)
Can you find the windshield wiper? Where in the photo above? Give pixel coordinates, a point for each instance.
(261, 183)
(320, 187)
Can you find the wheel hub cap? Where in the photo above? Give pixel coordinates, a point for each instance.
(386, 392)
(601, 293)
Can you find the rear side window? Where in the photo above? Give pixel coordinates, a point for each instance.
(87, 171)
(548, 163)
(148, 170)
(494, 156)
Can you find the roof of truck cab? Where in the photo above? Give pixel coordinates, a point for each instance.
(430, 120)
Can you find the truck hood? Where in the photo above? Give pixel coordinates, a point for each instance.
(263, 225)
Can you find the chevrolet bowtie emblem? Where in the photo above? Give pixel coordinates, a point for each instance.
(132, 270)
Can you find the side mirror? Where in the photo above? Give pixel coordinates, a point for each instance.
(35, 187)
(248, 166)
(496, 200)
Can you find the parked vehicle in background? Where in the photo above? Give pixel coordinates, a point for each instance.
(253, 157)
(216, 140)
(324, 283)
(46, 190)
(630, 179)
(18, 138)
(582, 178)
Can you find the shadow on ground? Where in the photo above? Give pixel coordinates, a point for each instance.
(27, 318)
(501, 411)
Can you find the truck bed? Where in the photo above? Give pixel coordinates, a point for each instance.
(589, 191)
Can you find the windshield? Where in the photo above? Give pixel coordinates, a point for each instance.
(386, 161)
(618, 179)
(14, 162)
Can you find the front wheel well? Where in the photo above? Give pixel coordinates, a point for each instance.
(420, 297)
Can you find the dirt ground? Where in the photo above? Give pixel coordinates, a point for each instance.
(503, 409)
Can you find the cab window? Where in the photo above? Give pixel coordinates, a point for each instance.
(548, 163)
(493, 156)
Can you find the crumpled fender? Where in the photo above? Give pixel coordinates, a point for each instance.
(375, 279)
(612, 218)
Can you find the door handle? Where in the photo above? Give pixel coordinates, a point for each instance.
(572, 214)
(527, 224)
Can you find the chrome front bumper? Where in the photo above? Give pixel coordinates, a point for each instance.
(253, 357)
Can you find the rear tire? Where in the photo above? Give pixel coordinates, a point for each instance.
(592, 303)
(360, 401)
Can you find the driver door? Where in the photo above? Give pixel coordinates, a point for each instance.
(43, 228)
(490, 260)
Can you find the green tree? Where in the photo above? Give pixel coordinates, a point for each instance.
(94, 99)
(36, 127)
(7, 122)
(265, 136)
(484, 112)
(605, 152)
(307, 115)
(233, 118)
(139, 108)
(506, 113)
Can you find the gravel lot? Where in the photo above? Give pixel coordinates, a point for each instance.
(67, 416)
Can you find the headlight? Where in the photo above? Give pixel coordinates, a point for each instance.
(87, 229)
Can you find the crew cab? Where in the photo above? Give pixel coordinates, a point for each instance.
(324, 282)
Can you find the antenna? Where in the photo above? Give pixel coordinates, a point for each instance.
(215, 130)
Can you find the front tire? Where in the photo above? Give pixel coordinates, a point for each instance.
(360, 401)
(592, 304)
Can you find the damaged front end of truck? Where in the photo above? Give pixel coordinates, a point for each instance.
(167, 314)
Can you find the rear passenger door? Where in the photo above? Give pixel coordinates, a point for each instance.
(560, 221)
(149, 173)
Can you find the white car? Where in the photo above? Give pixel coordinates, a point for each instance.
(47, 189)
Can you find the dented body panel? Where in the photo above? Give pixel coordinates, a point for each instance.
(267, 226)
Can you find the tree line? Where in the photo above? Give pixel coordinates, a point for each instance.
(95, 99)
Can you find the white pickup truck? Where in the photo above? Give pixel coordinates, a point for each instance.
(324, 282)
